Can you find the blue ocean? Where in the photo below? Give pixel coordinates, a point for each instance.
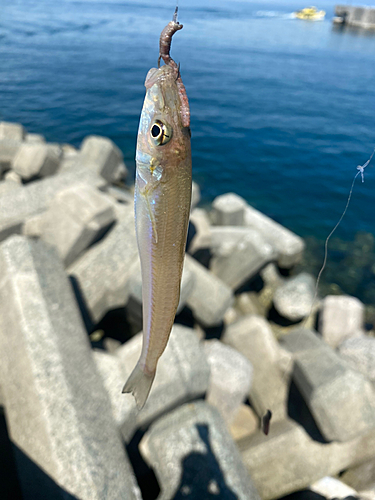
(282, 109)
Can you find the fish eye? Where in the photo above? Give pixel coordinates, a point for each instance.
(160, 132)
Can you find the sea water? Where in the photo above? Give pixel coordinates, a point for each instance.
(282, 109)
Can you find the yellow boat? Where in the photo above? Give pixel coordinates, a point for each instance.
(310, 14)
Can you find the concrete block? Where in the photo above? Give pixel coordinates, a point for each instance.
(330, 487)
(104, 271)
(8, 186)
(210, 297)
(195, 195)
(288, 245)
(35, 160)
(361, 477)
(8, 150)
(341, 400)
(288, 460)
(11, 176)
(35, 138)
(194, 456)
(182, 373)
(16, 206)
(12, 132)
(271, 275)
(341, 317)
(33, 226)
(121, 195)
(202, 237)
(249, 303)
(75, 218)
(230, 379)
(252, 336)
(123, 409)
(229, 210)
(102, 156)
(293, 299)
(240, 254)
(359, 353)
(244, 423)
(57, 408)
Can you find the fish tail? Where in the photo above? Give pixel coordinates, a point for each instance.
(139, 384)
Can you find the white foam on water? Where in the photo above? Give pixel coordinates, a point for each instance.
(274, 13)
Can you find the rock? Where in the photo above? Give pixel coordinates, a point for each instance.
(12, 132)
(230, 379)
(288, 460)
(194, 457)
(288, 245)
(341, 400)
(8, 150)
(103, 273)
(253, 337)
(330, 487)
(76, 217)
(182, 373)
(341, 317)
(210, 297)
(239, 260)
(359, 353)
(103, 157)
(293, 299)
(202, 237)
(23, 202)
(244, 423)
(228, 210)
(195, 195)
(124, 410)
(35, 138)
(35, 160)
(57, 408)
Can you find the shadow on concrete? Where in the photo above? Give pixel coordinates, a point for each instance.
(20, 477)
(145, 476)
(86, 316)
(202, 477)
(303, 495)
(275, 317)
(35, 483)
(9, 484)
(299, 411)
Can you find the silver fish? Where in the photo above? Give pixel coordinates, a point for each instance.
(162, 208)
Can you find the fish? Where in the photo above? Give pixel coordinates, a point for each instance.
(162, 200)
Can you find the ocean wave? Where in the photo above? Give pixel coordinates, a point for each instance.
(274, 13)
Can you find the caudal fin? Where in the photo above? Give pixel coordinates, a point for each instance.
(139, 384)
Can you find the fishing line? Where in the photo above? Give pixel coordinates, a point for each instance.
(266, 419)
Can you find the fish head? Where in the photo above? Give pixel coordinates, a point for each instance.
(163, 141)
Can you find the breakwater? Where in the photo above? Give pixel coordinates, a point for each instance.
(356, 16)
(70, 334)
